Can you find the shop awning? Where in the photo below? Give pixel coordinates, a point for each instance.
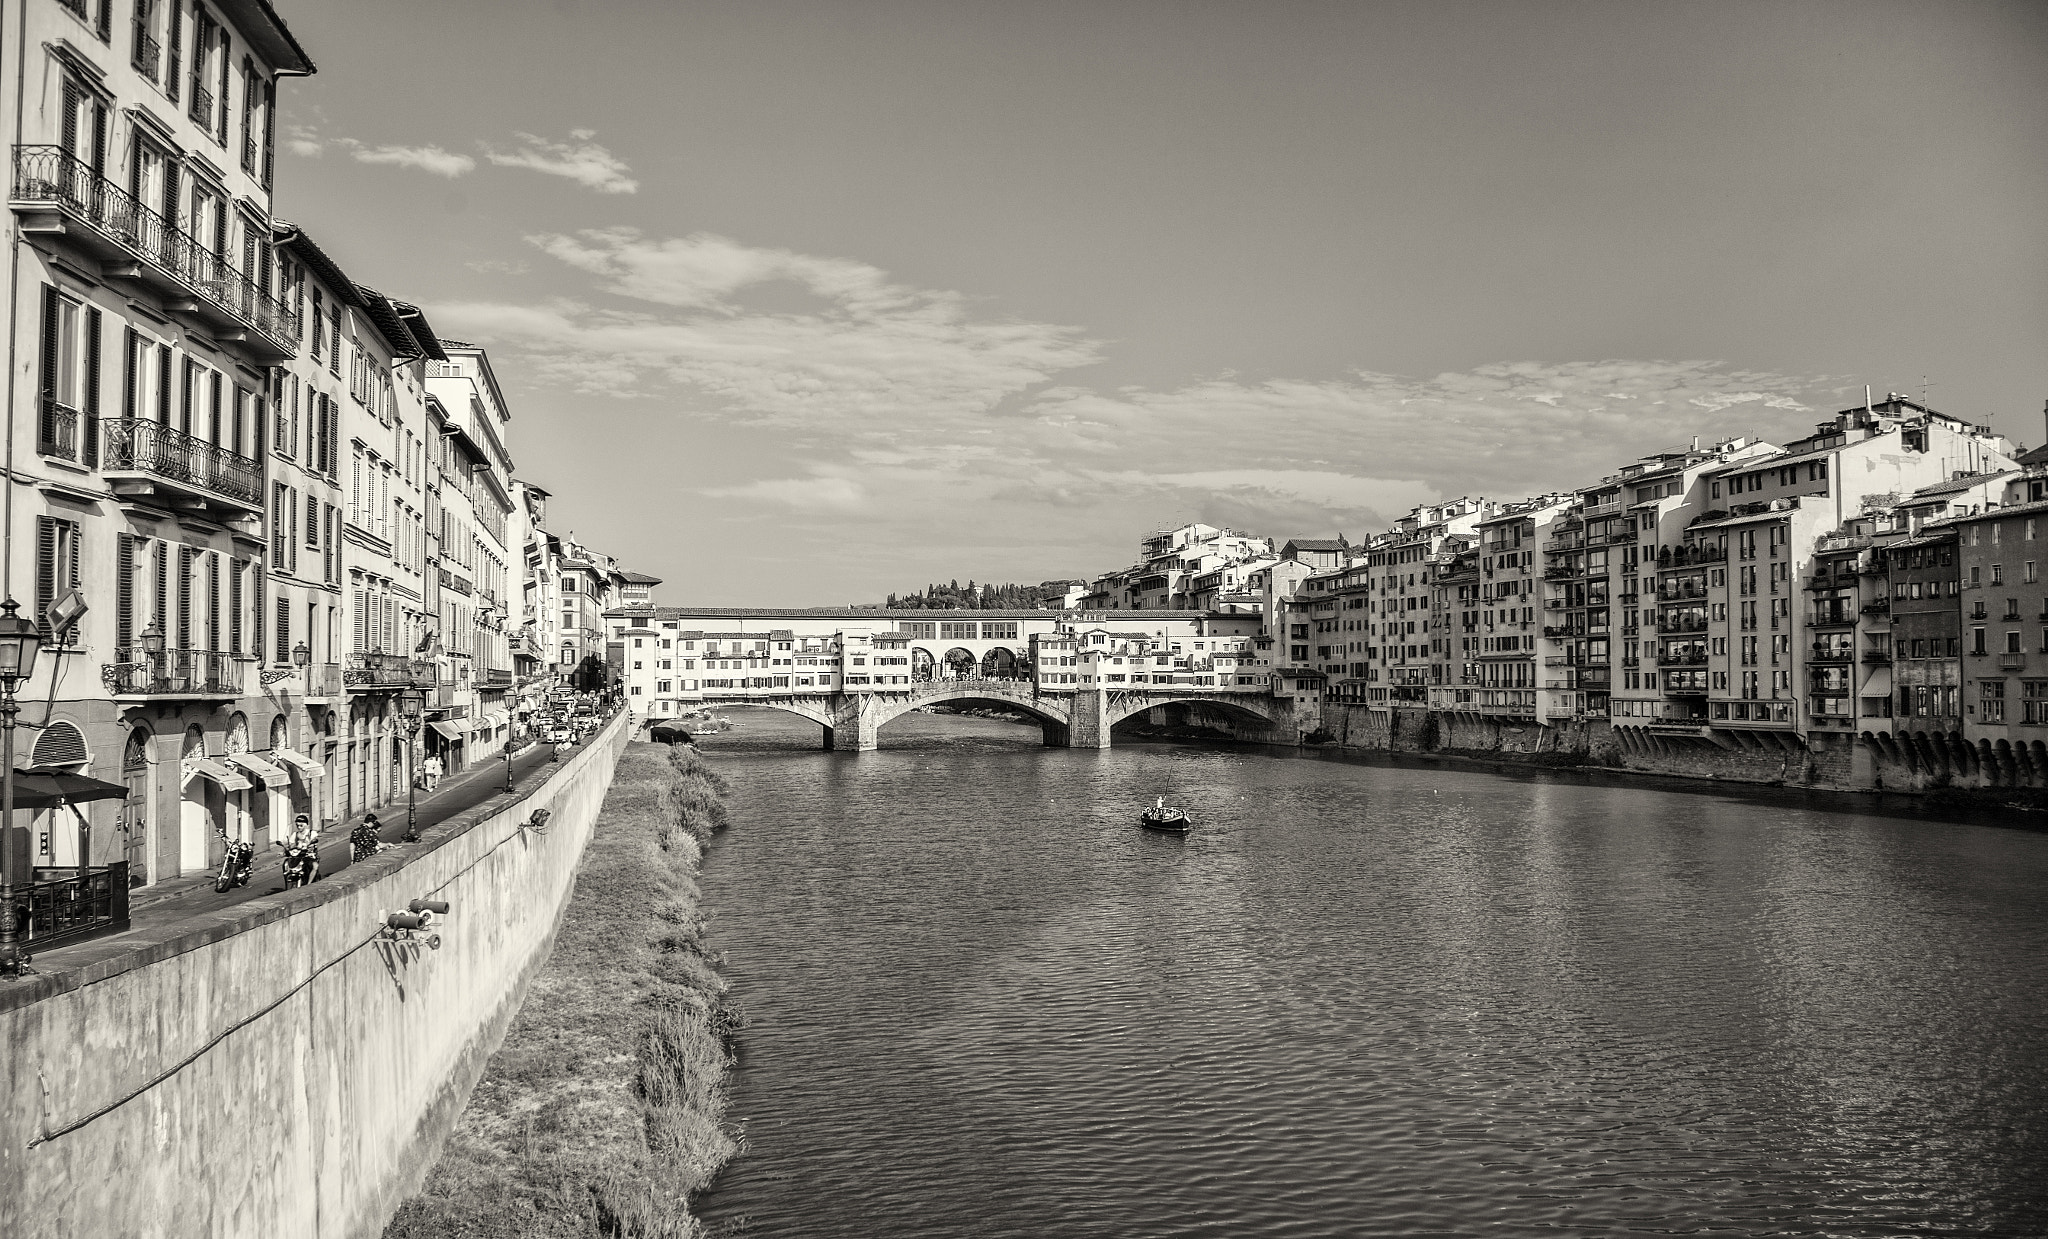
(492, 720)
(448, 730)
(300, 762)
(272, 776)
(206, 767)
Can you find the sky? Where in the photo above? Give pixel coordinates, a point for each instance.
(808, 303)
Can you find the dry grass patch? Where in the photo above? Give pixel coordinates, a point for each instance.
(603, 1112)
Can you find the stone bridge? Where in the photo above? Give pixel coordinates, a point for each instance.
(1078, 718)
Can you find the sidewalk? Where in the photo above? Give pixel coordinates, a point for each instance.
(192, 894)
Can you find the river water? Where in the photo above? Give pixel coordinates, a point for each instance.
(1364, 998)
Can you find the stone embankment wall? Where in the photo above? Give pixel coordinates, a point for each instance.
(1864, 764)
(285, 1070)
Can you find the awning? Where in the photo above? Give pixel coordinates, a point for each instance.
(211, 769)
(272, 776)
(451, 731)
(492, 720)
(300, 762)
(43, 791)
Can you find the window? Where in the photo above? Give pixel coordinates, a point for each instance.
(69, 418)
(56, 566)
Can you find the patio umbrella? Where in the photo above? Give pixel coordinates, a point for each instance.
(46, 789)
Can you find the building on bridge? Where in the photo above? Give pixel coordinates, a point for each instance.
(676, 659)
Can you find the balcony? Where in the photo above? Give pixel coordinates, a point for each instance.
(1682, 658)
(201, 110)
(148, 53)
(136, 672)
(455, 581)
(1683, 624)
(499, 677)
(57, 430)
(322, 679)
(1882, 606)
(62, 906)
(2012, 662)
(374, 671)
(1564, 573)
(144, 457)
(1832, 618)
(56, 193)
(1878, 657)
(1680, 593)
(1831, 654)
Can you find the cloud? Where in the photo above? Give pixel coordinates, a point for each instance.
(967, 418)
(814, 494)
(303, 140)
(580, 159)
(497, 266)
(426, 158)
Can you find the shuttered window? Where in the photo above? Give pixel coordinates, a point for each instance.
(163, 384)
(214, 601)
(89, 399)
(258, 611)
(185, 554)
(279, 497)
(131, 372)
(284, 630)
(362, 615)
(292, 543)
(332, 549)
(124, 593)
(172, 68)
(235, 567)
(160, 589)
(56, 566)
(312, 521)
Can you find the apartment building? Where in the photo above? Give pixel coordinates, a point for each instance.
(470, 522)
(145, 308)
(2004, 631)
(588, 585)
(1500, 666)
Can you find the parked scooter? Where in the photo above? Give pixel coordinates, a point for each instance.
(234, 866)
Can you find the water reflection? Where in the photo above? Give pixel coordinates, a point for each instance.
(1362, 999)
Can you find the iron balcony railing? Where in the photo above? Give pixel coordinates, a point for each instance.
(202, 107)
(53, 175)
(142, 446)
(1831, 654)
(449, 580)
(323, 679)
(377, 670)
(1682, 623)
(1877, 656)
(57, 430)
(1676, 658)
(173, 673)
(147, 52)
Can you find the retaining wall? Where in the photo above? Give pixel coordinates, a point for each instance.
(284, 1071)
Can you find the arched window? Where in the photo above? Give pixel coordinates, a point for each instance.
(279, 733)
(60, 746)
(135, 754)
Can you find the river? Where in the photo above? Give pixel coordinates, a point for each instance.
(1364, 998)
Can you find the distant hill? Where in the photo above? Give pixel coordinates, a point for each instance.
(953, 596)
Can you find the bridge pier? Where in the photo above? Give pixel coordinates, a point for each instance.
(856, 724)
(1090, 724)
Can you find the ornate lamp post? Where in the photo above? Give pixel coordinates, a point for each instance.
(151, 639)
(19, 639)
(410, 704)
(509, 788)
(301, 656)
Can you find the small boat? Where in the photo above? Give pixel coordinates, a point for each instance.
(1170, 821)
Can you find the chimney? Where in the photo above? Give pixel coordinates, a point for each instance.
(1695, 443)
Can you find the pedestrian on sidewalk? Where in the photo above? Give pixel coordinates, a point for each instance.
(365, 840)
(432, 771)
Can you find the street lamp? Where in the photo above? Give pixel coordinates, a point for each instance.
(410, 704)
(19, 639)
(301, 655)
(509, 788)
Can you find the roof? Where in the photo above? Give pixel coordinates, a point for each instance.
(884, 613)
(2035, 508)
(384, 317)
(266, 32)
(292, 238)
(1315, 544)
(640, 578)
(1957, 485)
(2039, 456)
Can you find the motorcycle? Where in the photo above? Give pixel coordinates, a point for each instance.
(235, 866)
(299, 864)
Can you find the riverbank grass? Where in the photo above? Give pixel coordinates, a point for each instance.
(602, 1113)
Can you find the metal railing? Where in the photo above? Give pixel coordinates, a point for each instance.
(51, 174)
(2012, 662)
(60, 906)
(1831, 654)
(202, 107)
(1877, 656)
(450, 580)
(376, 670)
(133, 443)
(323, 679)
(1682, 659)
(173, 673)
(148, 53)
(57, 430)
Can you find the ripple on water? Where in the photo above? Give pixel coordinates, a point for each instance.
(1363, 999)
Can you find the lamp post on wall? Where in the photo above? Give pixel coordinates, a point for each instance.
(410, 704)
(19, 639)
(151, 639)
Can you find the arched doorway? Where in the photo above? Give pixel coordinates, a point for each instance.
(999, 664)
(960, 664)
(923, 667)
(134, 820)
(238, 819)
(195, 815)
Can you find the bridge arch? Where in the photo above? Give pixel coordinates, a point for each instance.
(1000, 663)
(1122, 706)
(1014, 694)
(960, 663)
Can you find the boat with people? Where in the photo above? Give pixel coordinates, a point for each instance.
(1167, 820)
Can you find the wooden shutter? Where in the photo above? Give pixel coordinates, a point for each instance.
(184, 598)
(172, 63)
(284, 629)
(213, 411)
(90, 402)
(189, 378)
(105, 25)
(49, 347)
(362, 622)
(96, 158)
(67, 125)
(124, 594)
(131, 372)
(234, 606)
(163, 384)
(213, 641)
(46, 572)
(331, 548)
(221, 99)
(292, 543)
(269, 132)
(159, 601)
